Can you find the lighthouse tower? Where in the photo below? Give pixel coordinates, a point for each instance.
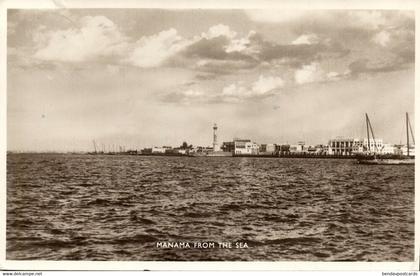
(215, 144)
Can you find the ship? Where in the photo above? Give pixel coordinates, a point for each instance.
(373, 158)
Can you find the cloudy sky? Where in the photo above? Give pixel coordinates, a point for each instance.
(143, 77)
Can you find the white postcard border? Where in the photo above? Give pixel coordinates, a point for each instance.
(189, 265)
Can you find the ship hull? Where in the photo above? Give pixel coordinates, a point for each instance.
(380, 161)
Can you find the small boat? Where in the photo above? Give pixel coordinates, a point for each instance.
(370, 158)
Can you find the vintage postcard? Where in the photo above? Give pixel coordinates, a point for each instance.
(212, 135)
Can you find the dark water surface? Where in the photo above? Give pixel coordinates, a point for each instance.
(81, 207)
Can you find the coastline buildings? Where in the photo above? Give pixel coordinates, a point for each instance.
(216, 150)
(267, 149)
(228, 146)
(375, 146)
(160, 149)
(299, 148)
(349, 146)
(402, 149)
(340, 146)
(388, 149)
(245, 146)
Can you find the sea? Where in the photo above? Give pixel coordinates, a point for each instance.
(148, 208)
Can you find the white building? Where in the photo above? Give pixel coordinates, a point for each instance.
(267, 148)
(296, 148)
(348, 146)
(163, 149)
(182, 151)
(388, 149)
(371, 145)
(158, 149)
(342, 145)
(403, 150)
(245, 146)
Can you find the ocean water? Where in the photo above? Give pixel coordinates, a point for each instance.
(121, 208)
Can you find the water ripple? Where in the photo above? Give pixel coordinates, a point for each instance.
(80, 207)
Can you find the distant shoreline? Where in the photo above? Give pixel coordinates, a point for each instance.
(292, 156)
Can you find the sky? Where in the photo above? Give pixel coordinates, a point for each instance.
(143, 77)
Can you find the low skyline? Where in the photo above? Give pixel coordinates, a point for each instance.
(143, 77)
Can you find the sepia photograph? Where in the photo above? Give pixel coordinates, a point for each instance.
(210, 134)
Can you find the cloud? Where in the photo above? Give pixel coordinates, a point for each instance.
(297, 55)
(266, 84)
(221, 50)
(263, 87)
(189, 96)
(365, 19)
(314, 73)
(306, 39)
(213, 48)
(234, 90)
(308, 73)
(193, 93)
(224, 66)
(151, 51)
(217, 31)
(363, 65)
(227, 53)
(399, 42)
(405, 53)
(382, 38)
(241, 44)
(334, 76)
(97, 37)
(220, 42)
(237, 45)
(218, 49)
(22, 59)
(382, 27)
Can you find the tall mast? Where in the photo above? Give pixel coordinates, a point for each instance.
(367, 130)
(373, 135)
(94, 145)
(411, 131)
(408, 137)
